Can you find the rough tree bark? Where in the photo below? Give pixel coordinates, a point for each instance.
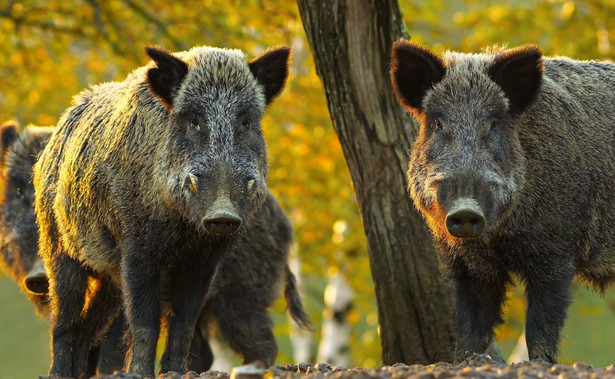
(351, 43)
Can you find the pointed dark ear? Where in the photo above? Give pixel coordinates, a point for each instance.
(519, 73)
(164, 81)
(271, 70)
(8, 134)
(414, 70)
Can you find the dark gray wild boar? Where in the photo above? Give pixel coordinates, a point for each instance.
(514, 172)
(18, 233)
(143, 187)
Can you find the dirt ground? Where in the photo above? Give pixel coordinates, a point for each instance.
(477, 367)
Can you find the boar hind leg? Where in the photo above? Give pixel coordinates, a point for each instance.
(201, 357)
(548, 298)
(479, 310)
(102, 310)
(247, 327)
(68, 287)
(113, 348)
(188, 295)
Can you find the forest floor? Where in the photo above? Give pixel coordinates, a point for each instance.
(478, 367)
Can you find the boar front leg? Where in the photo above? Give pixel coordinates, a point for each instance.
(141, 290)
(479, 310)
(548, 298)
(189, 290)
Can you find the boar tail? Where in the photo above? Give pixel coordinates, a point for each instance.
(293, 300)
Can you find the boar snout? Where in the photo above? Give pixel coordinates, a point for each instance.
(465, 219)
(222, 223)
(36, 281)
(222, 218)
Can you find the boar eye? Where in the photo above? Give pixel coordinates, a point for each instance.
(194, 123)
(246, 123)
(437, 123)
(493, 125)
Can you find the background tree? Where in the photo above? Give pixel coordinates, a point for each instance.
(351, 43)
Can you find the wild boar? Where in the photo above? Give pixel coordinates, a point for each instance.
(144, 185)
(513, 170)
(18, 233)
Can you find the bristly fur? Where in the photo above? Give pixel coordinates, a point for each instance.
(530, 141)
(112, 197)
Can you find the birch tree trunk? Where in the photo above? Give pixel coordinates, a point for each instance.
(351, 44)
(334, 347)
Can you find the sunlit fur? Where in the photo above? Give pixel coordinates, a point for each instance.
(112, 201)
(544, 176)
(18, 234)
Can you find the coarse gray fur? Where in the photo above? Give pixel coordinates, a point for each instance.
(141, 190)
(528, 143)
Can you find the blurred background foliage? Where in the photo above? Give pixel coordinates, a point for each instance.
(51, 49)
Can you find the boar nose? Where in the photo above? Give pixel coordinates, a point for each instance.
(37, 283)
(36, 280)
(222, 223)
(221, 218)
(465, 220)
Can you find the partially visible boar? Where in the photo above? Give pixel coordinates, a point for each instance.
(514, 172)
(247, 284)
(143, 187)
(18, 232)
(19, 256)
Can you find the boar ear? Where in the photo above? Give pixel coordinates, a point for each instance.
(8, 133)
(271, 70)
(164, 80)
(519, 73)
(414, 70)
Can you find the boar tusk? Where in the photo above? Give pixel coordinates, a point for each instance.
(194, 182)
(250, 185)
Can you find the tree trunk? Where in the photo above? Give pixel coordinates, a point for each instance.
(351, 43)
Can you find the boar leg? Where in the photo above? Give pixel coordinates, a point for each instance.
(247, 327)
(188, 295)
(113, 347)
(103, 309)
(201, 357)
(479, 310)
(548, 298)
(68, 287)
(141, 289)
